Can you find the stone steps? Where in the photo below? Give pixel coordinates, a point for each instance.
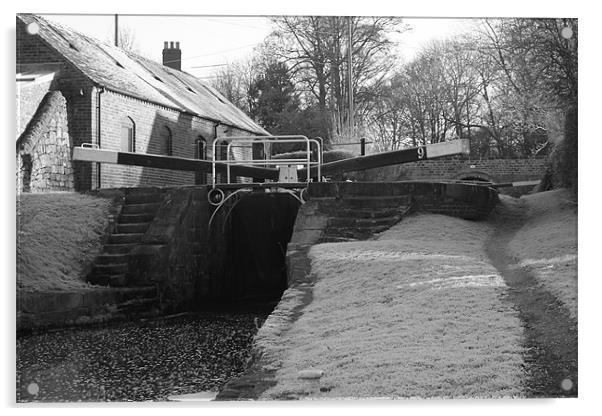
(104, 279)
(354, 233)
(352, 222)
(118, 248)
(140, 208)
(367, 212)
(111, 258)
(359, 217)
(133, 228)
(136, 218)
(143, 198)
(125, 238)
(110, 268)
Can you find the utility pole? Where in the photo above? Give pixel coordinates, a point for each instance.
(350, 75)
(116, 31)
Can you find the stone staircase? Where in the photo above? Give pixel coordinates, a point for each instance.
(110, 268)
(360, 217)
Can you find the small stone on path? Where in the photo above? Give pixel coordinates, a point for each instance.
(310, 374)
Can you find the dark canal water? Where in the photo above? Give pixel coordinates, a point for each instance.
(136, 361)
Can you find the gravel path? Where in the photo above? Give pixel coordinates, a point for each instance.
(136, 361)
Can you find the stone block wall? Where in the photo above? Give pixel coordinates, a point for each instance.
(44, 151)
(174, 252)
(94, 305)
(494, 170)
(460, 200)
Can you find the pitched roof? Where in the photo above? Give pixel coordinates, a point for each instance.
(130, 74)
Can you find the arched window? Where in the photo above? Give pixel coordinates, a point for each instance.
(128, 135)
(222, 150)
(201, 148)
(166, 139)
(200, 152)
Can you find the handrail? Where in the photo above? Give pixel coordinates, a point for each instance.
(267, 162)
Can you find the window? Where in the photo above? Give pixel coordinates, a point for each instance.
(166, 139)
(200, 153)
(128, 135)
(222, 150)
(201, 148)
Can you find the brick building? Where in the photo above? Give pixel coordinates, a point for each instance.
(72, 89)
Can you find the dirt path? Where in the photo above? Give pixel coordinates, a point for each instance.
(550, 334)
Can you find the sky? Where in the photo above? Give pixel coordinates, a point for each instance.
(210, 41)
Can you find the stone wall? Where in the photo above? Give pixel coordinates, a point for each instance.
(95, 305)
(174, 252)
(44, 151)
(494, 170)
(456, 199)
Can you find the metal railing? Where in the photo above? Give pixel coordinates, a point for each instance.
(250, 140)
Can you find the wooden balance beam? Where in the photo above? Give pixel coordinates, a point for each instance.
(396, 157)
(90, 154)
(430, 151)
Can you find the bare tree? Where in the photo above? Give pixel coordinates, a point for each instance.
(233, 82)
(127, 40)
(315, 48)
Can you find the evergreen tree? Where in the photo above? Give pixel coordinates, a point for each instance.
(272, 99)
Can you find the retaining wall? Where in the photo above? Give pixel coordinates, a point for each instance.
(464, 200)
(174, 253)
(43, 310)
(494, 170)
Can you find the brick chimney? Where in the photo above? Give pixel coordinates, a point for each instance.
(172, 55)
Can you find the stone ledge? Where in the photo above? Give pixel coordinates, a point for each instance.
(55, 309)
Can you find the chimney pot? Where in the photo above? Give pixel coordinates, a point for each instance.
(172, 56)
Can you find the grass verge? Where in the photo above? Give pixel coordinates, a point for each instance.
(58, 236)
(417, 313)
